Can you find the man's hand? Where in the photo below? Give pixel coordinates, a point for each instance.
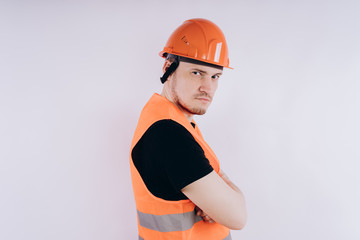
(204, 216)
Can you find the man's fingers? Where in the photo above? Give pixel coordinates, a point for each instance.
(204, 216)
(198, 211)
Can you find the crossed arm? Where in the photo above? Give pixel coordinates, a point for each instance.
(218, 199)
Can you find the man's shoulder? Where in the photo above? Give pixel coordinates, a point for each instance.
(168, 132)
(166, 125)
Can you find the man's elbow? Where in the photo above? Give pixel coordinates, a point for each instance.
(238, 226)
(238, 222)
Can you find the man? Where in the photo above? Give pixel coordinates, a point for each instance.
(180, 191)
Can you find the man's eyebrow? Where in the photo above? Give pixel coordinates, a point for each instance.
(202, 71)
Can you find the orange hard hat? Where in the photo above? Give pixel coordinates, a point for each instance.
(198, 39)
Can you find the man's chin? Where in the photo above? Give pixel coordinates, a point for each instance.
(193, 111)
(197, 111)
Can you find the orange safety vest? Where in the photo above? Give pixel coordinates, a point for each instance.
(160, 219)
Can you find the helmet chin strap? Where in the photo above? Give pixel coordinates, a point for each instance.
(170, 70)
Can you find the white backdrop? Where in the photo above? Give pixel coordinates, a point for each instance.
(74, 76)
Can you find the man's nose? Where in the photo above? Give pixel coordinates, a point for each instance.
(207, 85)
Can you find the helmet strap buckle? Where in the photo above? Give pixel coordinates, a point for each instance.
(170, 70)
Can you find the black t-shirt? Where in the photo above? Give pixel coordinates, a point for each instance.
(168, 159)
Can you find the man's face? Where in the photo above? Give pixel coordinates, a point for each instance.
(193, 86)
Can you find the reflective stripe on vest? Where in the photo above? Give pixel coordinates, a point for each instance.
(168, 222)
(228, 237)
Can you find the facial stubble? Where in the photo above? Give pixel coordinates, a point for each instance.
(181, 104)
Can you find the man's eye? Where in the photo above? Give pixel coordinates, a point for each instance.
(216, 77)
(196, 73)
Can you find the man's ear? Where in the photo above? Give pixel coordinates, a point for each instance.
(167, 64)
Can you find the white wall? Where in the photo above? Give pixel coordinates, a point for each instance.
(74, 76)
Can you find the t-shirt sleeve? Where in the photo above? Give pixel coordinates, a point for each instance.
(182, 158)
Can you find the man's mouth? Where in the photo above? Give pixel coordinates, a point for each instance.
(203, 99)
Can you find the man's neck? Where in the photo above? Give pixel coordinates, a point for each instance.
(188, 115)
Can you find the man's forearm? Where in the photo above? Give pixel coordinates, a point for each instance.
(235, 188)
(228, 181)
(219, 200)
